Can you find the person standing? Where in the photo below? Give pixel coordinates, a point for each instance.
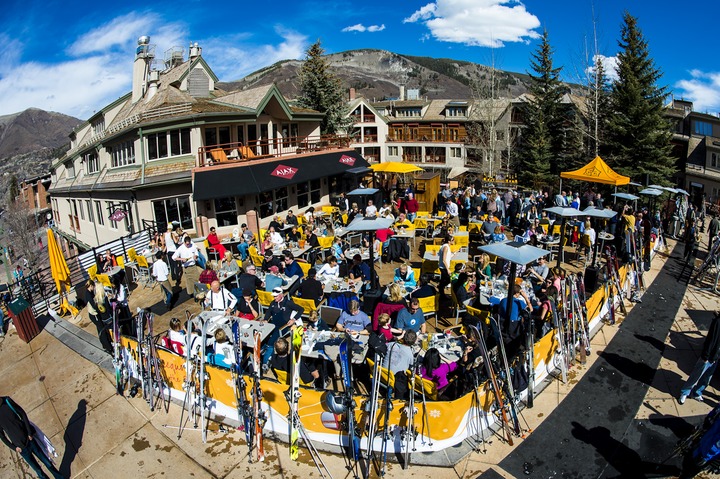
(444, 256)
(172, 241)
(18, 434)
(705, 366)
(187, 256)
(713, 230)
(451, 209)
(705, 449)
(98, 311)
(161, 273)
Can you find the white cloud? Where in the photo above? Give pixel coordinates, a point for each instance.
(486, 23)
(231, 58)
(609, 66)
(359, 27)
(118, 32)
(703, 89)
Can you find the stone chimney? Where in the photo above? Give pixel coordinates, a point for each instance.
(143, 57)
(402, 93)
(352, 94)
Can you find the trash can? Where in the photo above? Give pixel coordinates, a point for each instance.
(23, 319)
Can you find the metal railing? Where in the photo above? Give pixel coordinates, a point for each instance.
(238, 152)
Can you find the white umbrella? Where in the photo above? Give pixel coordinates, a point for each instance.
(651, 192)
(370, 224)
(564, 213)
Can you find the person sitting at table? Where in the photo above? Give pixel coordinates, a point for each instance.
(315, 322)
(276, 238)
(395, 295)
(403, 222)
(437, 369)
(528, 236)
(293, 236)
(498, 236)
(457, 269)
(543, 315)
(385, 329)
(176, 333)
(247, 234)
(267, 244)
(371, 210)
(330, 269)
(359, 269)
(558, 274)
(311, 237)
(291, 219)
(424, 289)
(485, 268)
(276, 224)
(411, 317)
(208, 275)
(282, 313)
(270, 260)
(247, 307)
(338, 249)
(311, 288)
(405, 276)
(120, 298)
(401, 360)
(477, 214)
(228, 264)
(352, 214)
(219, 298)
(513, 325)
(215, 244)
(385, 209)
(538, 273)
(281, 360)
(355, 320)
(273, 279)
(223, 350)
(544, 221)
(488, 227)
(460, 287)
(310, 217)
(108, 262)
(248, 281)
(292, 268)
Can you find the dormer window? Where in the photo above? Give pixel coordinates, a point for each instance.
(92, 164)
(98, 126)
(414, 111)
(456, 109)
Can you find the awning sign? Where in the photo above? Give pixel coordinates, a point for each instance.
(283, 171)
(118, 215)
(347, 160)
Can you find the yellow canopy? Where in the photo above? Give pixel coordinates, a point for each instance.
(597, 171)
(395, 167)
(58, 267)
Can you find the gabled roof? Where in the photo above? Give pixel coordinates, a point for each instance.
(256, 99)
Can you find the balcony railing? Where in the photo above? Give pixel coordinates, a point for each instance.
(367, 139)
(410, 137)
(363, 118)
(238, 152)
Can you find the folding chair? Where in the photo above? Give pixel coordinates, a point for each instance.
(429, 306)
(264, 299)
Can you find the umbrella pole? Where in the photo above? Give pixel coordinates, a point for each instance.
(372, 260)
(511, 282)
(562, 237)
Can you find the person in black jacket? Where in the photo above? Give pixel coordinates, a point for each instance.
(18, 434)
(703, 371)
(99, 313)
(311, 288)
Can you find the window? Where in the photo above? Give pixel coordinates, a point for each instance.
(226, 211)
(409, 112)
(393, 151)
(455, 111)
(168, 143)
(82, 212)
(217, 135)
(123, 154)
(714, 160)
(272, 202)
(113, 224)
(92, 165)
(173, 209)
(456, 152)
(70, 170)
(308, 192)
(98, 126)
(88, 207)
(702, 128)
(99, 213)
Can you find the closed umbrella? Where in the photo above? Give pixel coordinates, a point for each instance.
(58, 269)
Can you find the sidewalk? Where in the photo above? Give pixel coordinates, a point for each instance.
(627, 387)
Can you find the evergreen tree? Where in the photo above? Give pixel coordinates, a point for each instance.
(322, 91)
(543, 154)
(638, 135)
(13, 189)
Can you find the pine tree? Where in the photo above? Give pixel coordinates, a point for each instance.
(543, 154)
(322, 91)
(638, 135)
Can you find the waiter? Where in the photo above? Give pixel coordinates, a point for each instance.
(187, 255)
(451, 209)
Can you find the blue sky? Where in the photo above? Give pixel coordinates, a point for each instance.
(76, 57)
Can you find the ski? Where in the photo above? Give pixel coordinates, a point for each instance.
(410, 431)
(244, 408)
(530, 351)
(258, 414)
(294, 391)
(203, 375)
(388, 409)
(117, 360)
(346, 367)
(561, 344)
(371, 406)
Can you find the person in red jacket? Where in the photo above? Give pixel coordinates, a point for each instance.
(411, 207)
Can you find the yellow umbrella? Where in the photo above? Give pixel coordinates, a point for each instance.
(60, 272)
(395, 167)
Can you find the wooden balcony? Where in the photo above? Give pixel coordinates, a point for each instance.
(238, 152)
(363, 118)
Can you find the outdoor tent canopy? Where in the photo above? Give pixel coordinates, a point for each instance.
(597, 171)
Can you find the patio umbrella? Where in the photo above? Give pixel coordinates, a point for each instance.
(395, 167)
(58, 269)
(683, 192)
(564, 213)
(651, 192)
(371, 225)
(517, 253)
(604, 214)
(626, 196)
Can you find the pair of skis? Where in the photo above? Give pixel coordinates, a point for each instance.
(243, 404)
(258, 415)
(350, 425)
(119, 361)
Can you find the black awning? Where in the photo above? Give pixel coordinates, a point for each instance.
(210, 183)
